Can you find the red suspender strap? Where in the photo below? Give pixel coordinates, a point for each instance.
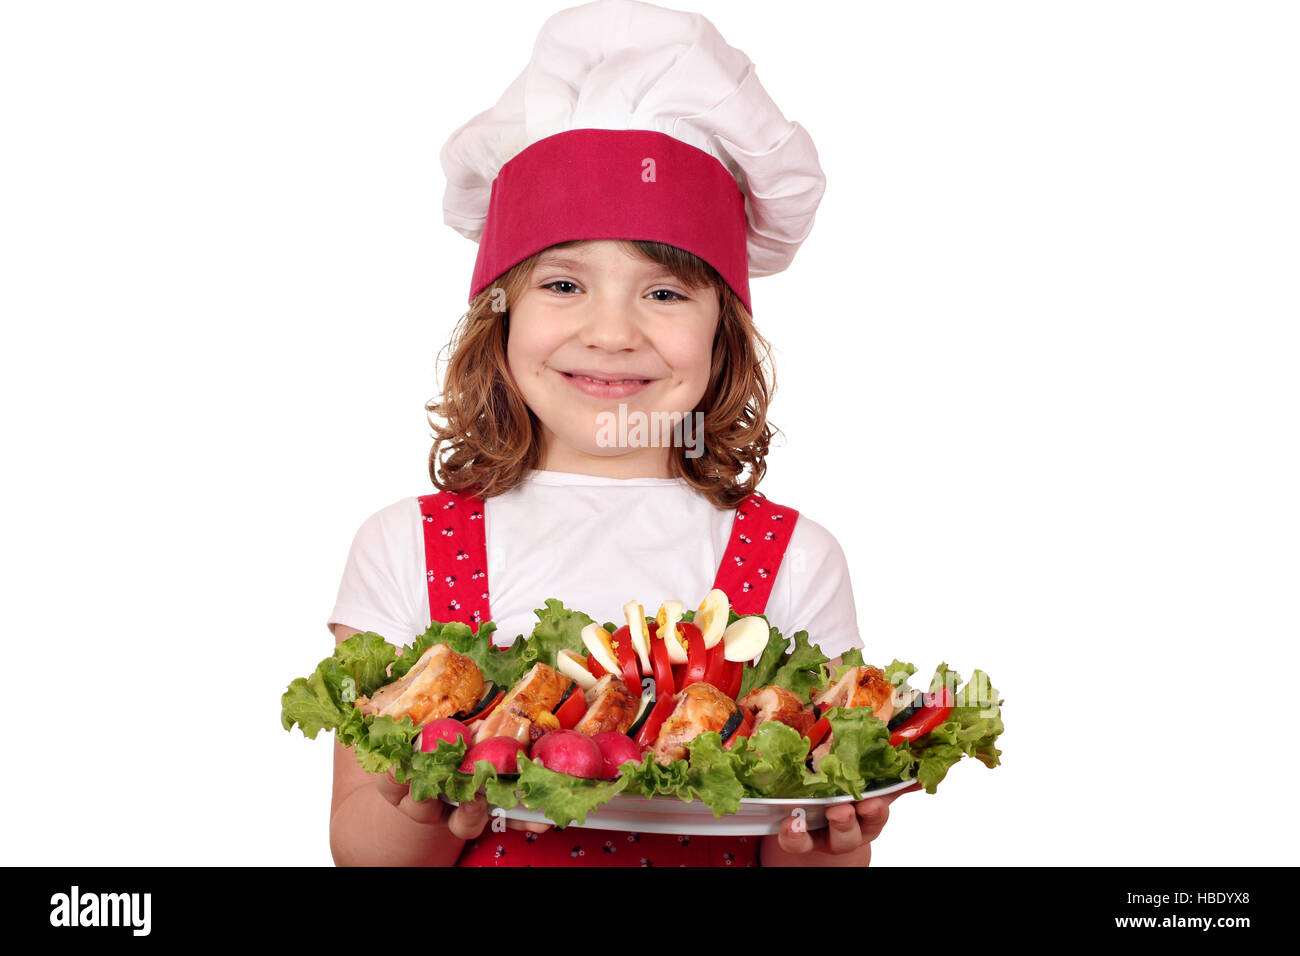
(759, 537)
(455, 558)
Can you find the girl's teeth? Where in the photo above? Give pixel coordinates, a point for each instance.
(600, 381)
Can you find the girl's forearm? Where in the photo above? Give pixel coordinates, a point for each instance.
(367, 830)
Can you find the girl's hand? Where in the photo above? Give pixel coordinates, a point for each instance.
(846, 840)
(465, 822)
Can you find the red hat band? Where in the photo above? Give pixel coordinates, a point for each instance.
(614, 184)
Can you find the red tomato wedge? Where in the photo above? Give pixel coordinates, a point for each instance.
(937, 709)
(626, 655)
(593, 665)
(717, 671)
(665, 684)
(650, 729)
(745, 729)
(737, 678)
(572, 710)
(697, 656)
(817, 732)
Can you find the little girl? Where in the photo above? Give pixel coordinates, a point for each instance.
(622, 192)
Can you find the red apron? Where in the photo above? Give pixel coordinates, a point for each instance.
(455, 550)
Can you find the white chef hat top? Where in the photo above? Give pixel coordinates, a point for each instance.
(626, 65)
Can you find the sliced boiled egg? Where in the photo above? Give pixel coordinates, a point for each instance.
(712, 617)
(745, 639)
(670, 612)
(635, 614)
(574, 667)
(601, 644)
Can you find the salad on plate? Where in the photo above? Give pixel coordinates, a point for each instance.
(707, 705)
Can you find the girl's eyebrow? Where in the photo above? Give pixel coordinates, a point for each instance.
(560, 262)
(548, 262)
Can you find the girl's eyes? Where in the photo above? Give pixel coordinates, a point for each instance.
(676, 297)
(571, 288)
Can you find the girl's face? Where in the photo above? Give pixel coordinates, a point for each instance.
(594, 309)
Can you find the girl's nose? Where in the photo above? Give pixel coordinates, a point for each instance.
(611, 323)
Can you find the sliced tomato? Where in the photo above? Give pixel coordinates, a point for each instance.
(593, 665)
(937, 709)
(817, 732)
(572, 710)
(650, 729)
(665, 684)
(625, 653)
(697, 655)
(736, 679)
(717, 671)
(745, 729)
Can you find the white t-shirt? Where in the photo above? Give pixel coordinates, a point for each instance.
(594, 544)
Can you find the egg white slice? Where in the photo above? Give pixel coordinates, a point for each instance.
(670, 612)
(600, 642)
(712, 617)
(745, 639)
(636, 626)
(574, 667)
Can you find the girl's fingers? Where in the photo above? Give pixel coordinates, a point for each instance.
(399, 795)
(422, 811)
(792, 840)
(842, 831)
(873, 814)
(468, 820)
(390, 789)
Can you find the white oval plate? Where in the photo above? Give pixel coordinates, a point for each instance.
(756, 817)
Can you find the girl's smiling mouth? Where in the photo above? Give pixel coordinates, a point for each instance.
(603, 384)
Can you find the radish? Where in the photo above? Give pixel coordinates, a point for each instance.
(567, 751)
(444, 728)
(616, 749)
(501, 752)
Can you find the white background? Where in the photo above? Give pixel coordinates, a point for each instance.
(1036, 372)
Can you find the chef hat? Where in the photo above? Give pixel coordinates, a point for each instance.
(632, 121)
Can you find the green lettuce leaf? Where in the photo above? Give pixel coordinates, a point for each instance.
(562, 798)
(773, 763)
(796, 665)
(557, 629)
(860, 751)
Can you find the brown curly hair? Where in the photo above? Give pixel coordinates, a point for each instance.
(493, 439)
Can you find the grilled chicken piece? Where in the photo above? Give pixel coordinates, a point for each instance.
(777, 703)
(700, 708)
(439, 684)
(536, 693)
(610, 706)
(861, 687)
